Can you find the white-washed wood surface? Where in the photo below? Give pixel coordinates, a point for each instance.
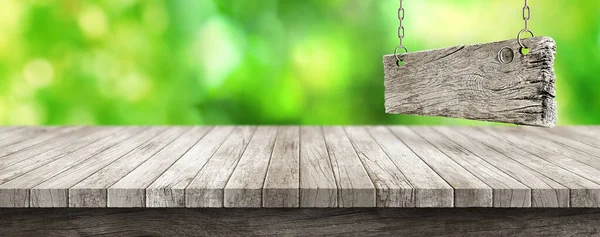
(299, 166)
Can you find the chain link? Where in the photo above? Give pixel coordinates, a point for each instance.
(400, 33)
(526, 17)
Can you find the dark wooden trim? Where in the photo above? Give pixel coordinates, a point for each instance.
(347, 222)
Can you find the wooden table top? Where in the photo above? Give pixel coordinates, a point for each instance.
(299, 166)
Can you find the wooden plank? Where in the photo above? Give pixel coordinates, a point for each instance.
(10, 132)
(507, 192)
(355, 188)
(582, 152)
(469, 191)
(34, 138)
(300, 222)
(60, 140)
(430, 189)
(92, 134)
(20, 134)
(545, 192)
(244, 188)
(583, 135)
(15, 193)
(564, 162)
(206, 189)
(92, 191)
(392, 187)
(318, 187)
(583, 192)
(54, 192)
(282, 183)
(130, 191)
(470, 82)
(169, 189)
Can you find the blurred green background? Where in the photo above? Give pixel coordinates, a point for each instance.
(258, 61)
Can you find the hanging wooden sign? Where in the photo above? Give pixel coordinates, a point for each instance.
(491, 82)
(510, 81)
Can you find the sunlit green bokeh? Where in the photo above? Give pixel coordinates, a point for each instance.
(258, 61)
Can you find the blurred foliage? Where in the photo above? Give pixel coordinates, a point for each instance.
(258, 61)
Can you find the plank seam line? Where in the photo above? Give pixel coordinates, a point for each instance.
(390, 159)
(545, 160)
(262, 191)
(171, 165)
(377, 191)
(532, 170)
(207, 160)
(337, 187)
(141, 143)
(553, 136)
(484, 160)
(238, 162)
(58, 157)
(52, 136)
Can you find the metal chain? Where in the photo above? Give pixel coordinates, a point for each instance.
(400, 33)
(526, 17)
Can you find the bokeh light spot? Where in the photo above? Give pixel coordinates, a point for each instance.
(93, 22)
(155, 19)
(218, 50)
(38, 73)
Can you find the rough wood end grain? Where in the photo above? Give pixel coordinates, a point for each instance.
(471, 82)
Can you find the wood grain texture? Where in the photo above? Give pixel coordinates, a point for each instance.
(206, 189)
(92, 191)
(130, 191)
(392, 187)
(583, 192)
(35, 138)
(545, 192)
(14, 165)
(355, 188)
(300, 222)
(245, 186)
(507, 192)
(168, 190)
(430, 189)
(470, 82)
(318, 186)
(469, 191)
(282, 183)
(16, 192)
(54, 192)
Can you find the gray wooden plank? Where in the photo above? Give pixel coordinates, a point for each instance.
(207, 188)
(16, 193)
(583, 192)
(168, 190)
(557, 144)
(92, 190)
(392, 187)
(583, 135)
(470, 82)
(130, 191)
(355, 188)
(430, 189)
(92, 134)
(244, 188)
(545, 192)
(564, 162)
(282, 183)
(318, 187)
(54, 192)
(34, 138)
(469, 191)
(9, 132)
(21, 133)
(507, 192)
(58, 141)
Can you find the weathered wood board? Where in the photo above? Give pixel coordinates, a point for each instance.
(472, 82)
